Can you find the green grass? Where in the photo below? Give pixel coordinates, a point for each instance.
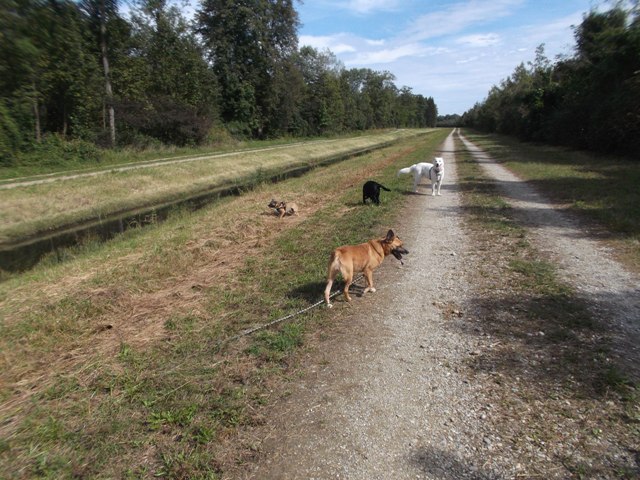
(56, 156)
(118, 349)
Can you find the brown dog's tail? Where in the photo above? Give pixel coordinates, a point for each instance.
(333, 270)
(334, 265)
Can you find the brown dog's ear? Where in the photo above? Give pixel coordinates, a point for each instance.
(390, 236)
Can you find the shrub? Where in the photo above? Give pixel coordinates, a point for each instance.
(55, 150)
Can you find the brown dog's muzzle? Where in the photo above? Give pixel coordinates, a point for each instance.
(398, 252)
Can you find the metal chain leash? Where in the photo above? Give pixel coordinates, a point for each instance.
(282, 319)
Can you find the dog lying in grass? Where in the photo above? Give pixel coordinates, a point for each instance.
(371, 190)
(434, 172)
(365, 258)
(282, 208)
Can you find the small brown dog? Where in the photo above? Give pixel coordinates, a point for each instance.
(281, 208)
(365, 257)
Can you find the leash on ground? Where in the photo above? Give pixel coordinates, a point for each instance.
(282, 319)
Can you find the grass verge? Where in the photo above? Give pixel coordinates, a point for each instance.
(58, 156)
(112, 362)
(555, 393)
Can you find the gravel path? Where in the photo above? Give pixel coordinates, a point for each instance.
(388, 403)
(387, 396)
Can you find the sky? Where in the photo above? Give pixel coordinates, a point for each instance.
(451, 50)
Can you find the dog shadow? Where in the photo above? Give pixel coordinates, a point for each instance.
(312, 292)
(409, 193)
(360, 204)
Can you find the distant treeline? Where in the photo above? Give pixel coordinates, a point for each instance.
(81, 72)
(589, 101)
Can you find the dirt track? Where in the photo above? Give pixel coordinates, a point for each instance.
(389, 394)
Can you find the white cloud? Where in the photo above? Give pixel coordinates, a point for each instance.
(553, 34)
(456, 53)
(389, 55)
(459, 16)
(479, 40)
(335, 43)
(467, 60)
(369, 6)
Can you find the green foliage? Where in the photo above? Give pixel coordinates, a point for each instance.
(246, 42)
(590, 101)
(9, 136)
(56, 151)
(72, 69)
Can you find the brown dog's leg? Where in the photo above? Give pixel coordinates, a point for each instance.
(332, 272)
(368, 275)
(348, 279)
(327, 292)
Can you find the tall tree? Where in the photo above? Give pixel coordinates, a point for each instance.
(380, 93)
(175, 101)
(247, 42)
(19, 65)
(101, 12)
(590, 100)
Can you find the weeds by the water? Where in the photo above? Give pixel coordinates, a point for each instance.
(33, 209)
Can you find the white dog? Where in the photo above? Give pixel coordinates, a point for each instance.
(433, 171)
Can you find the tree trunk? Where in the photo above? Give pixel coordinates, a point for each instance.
(107, 80)
(36, 113)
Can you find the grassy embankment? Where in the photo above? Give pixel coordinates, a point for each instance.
(56, 156)
(111, 364)
(559, 395)
(604, 191)
(32, 209)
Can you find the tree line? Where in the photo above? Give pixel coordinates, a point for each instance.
(590, 100)
(82, 73)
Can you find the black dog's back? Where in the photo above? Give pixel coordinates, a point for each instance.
(371, 190)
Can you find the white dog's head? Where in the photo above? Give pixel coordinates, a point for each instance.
(438, 163)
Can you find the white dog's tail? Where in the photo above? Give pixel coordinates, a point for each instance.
(405, 170)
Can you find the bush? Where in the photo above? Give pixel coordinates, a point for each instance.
(167, 120)
(219, 136)
(54, 150)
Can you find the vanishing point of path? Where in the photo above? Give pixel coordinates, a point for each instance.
(385, 399)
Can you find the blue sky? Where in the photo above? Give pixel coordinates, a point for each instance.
(451, 50)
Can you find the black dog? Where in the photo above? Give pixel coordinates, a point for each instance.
(371, 190)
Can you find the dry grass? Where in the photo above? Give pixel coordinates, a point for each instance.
(111, 363)
(603, 191)
(30, 209)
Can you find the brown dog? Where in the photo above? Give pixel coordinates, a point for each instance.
(364, 258)
(281, 208)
